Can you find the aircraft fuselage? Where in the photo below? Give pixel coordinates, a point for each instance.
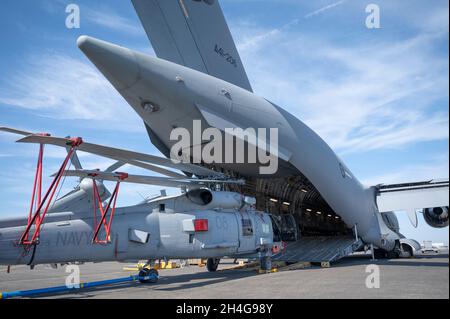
(154, 230)
(182, 95)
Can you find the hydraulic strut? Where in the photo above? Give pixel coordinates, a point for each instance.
(40, 205)
(104, 211)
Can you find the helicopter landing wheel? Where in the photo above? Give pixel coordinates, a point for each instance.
(212, 264)
(147, 276)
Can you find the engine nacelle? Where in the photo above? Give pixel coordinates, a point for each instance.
(436, 217)
(226, 200)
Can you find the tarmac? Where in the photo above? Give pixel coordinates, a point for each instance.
(425, 276)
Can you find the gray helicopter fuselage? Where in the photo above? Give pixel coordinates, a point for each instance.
(161, 228)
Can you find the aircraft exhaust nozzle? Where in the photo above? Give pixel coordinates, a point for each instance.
(118, 64)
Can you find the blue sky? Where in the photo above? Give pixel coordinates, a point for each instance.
(379, 97)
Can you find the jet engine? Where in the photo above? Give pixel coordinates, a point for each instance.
(436, 217)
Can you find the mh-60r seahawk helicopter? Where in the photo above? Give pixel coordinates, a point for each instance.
(85, 225)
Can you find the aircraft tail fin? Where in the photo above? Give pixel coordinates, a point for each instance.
(193, 33)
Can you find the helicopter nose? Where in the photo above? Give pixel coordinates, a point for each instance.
(118, 64)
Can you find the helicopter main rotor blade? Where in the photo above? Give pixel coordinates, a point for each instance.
(123, 155)
(147, 180)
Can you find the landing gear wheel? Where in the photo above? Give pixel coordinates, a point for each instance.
(212, 264)
(148, 276)
(392, 255)
(406, 252)
(379, 254)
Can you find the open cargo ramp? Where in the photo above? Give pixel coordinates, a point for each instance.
(318, 249)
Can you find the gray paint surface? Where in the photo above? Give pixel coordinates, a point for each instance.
(423, 277)
(194, 34)
(67, 237)
(203, 84)
(157, 81)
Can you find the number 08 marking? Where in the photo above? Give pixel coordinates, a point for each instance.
(221, 222)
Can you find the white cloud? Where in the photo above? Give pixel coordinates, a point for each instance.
(325, 8)
(101, 15)
(437, 168)
(105, 17)
(62, 87)
(359, 95)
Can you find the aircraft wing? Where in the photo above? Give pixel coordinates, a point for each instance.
(193, 33)
(414, 196)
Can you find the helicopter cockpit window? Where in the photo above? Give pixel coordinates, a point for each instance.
(247, 227)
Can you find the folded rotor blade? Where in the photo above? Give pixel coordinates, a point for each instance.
(115, 166)
(123, 155)
(75, 160)
(15, 131)
(148, 180)
(151, 167)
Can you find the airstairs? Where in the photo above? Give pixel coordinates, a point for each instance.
(319, 249)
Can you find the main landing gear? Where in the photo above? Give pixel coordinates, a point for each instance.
(212, 264)
(148, 276)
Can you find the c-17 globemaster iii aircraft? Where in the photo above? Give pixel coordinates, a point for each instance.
(312, 200)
